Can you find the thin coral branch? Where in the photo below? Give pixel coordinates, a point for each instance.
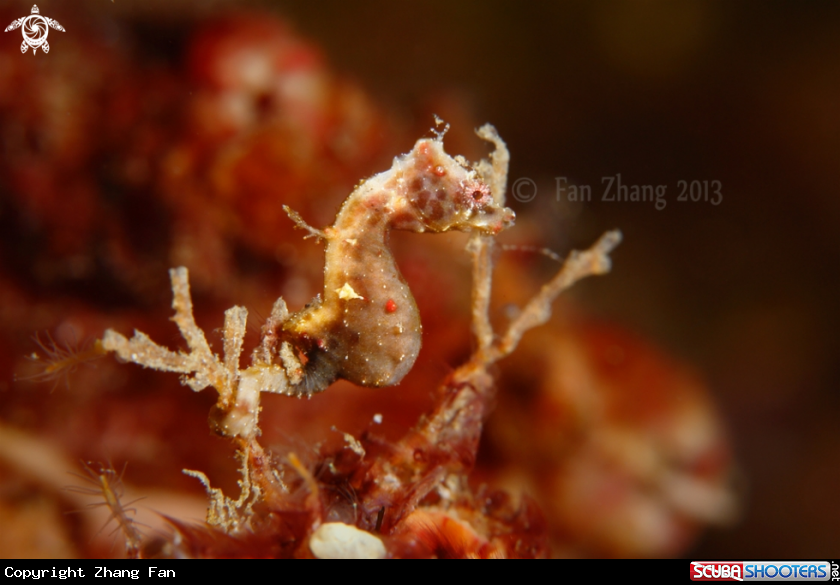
(481, 248)
(201, 362)
(578, 266)
(238, 404)
(494, 173)
(208, 371)
(143, 351)
(223, 511)
(236, 320)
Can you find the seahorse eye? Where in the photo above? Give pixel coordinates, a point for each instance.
(476, 195)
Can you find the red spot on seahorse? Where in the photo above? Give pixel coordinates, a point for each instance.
(390, 306)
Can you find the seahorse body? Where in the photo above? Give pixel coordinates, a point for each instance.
(366, 327)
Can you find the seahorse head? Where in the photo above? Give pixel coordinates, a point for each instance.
(442, 193)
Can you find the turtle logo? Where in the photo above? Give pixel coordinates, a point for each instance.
(35, 30)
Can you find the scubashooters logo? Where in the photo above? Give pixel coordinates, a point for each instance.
(760, 571)
(35, 30)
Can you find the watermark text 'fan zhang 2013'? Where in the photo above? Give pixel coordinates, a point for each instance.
(35, 29)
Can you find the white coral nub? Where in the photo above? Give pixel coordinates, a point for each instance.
(336, 540)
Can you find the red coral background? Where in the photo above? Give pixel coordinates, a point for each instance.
(162, 134)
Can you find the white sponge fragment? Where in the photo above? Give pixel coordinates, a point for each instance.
(336, 540)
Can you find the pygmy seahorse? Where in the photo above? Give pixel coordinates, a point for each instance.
(366, 328)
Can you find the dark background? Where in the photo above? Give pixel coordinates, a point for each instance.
(743, 93)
